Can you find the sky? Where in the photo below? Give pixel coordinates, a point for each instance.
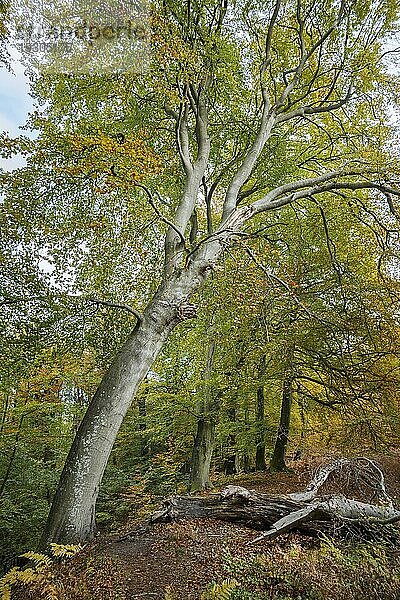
(15, 103)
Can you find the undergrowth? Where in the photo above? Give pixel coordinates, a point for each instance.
(330, 571)
(67, 573)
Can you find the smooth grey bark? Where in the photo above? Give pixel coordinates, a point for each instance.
(72, 514)
(202, 454)
(205, 436)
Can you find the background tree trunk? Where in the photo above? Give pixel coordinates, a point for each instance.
(260, 450)
(260, 416)
(278, 457)
(230, 462)
(202, 454)
(205, 437)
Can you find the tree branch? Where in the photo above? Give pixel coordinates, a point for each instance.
(272, 200)
(244, 171)
(158, 213)
(312, 110)
(129, 309)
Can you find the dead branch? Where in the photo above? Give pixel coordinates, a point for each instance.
(305, 511)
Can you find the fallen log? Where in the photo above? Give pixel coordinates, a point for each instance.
(305, 511)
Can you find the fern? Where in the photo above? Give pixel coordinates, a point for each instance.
(220, 591)
(40, 560)
(65, 551)
(39, 579)
(169, 595)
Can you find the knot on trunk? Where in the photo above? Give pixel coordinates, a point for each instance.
(186, 311)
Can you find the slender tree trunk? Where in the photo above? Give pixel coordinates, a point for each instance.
(5, 411)
(202, 454)
(144, 443)
(12, 456)
(260, 416)
(205, 437)
(230, 467)
(261, 465)
(243, 462)
(278, 457)
(232, 461)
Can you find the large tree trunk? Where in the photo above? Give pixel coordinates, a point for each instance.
(304, 510)
(277, 514)
(72, 514)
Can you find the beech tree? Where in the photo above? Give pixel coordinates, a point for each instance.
(248, 107)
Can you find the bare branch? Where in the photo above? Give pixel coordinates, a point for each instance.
(316, 186)
(313, 110)
(158, 213)
(306, 55)
(244, 171)
(181, 134)
(272, 276)
(129, 309)
(269, 33)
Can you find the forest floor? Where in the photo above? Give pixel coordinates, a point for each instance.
(179, 560)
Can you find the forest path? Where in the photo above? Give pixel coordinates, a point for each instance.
(184, 557)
